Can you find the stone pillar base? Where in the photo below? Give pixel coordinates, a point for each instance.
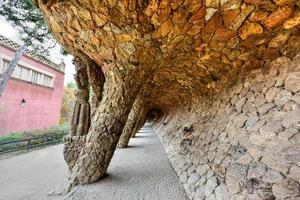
(72, 148)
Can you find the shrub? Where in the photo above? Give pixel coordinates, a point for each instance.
(12, 137)
(55, 130)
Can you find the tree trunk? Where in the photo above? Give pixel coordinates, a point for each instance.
(106, 128)
(11, 67)
(131, 121)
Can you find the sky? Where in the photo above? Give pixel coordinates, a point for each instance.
(8, 31)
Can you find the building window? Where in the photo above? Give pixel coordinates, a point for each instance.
(16, 73)
(4, 66)
(40, 78)
(27, 74)
(47, 81)
(24, 74)
(34, 76)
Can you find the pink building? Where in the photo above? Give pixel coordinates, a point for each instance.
(32, 97)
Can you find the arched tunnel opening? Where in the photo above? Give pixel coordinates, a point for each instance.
(226, 77)
(155, 115)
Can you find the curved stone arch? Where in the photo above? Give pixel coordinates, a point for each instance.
(140, 45)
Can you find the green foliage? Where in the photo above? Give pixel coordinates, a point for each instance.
(27, 19)
(68, 99)
(59, 129)
(72, 85)
(34, 139)
(55, 130)
(12, 137)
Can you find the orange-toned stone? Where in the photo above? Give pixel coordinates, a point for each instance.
(230, 15)
(249, 29)
(111, 3)
(164, 13)
(91, 25)
(258, 16)
(245, 12)
(292, 22)
(95, 41)
(213, 24)
(132, 5)
(121, 38)
(180, 16)
(230, 5)
(179, 29)
(284, 2)
(278, 17)
(164, 3)
(100, 19)
(192, 5)
(175, 4)
(164, 29)
(212, 3)
(255, 2)
(75, 24)
(125, 3)
(194, 30)
(84, 14)
(199, 14)
(151, 8)
(223, 34)
(279, 40)
(155, 21)
(141, 18)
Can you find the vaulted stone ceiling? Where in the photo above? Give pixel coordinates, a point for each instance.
(143, 54)
(190, 45)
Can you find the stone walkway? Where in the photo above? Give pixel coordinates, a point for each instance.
(140, 172)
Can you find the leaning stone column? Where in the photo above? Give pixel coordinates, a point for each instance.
(140, 122)
(87, 74)
(80, 117)
(131, 121)
(106, 127)
(96, 81)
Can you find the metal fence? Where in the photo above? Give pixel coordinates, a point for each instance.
(34, 142)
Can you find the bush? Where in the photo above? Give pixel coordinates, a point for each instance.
(55, 130)
(12, 137)
(38, 138)
(59, 129)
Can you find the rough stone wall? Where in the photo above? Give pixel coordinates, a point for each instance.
(243, 143)
(177, 53)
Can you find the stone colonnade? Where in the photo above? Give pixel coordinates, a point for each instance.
(187, 57)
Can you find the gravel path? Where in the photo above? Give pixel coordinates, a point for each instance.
(32, 175)
(140, 172)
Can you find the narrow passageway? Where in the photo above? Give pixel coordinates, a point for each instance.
(141, 171)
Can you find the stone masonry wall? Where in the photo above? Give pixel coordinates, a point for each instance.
(173, 53)
(243, 143)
